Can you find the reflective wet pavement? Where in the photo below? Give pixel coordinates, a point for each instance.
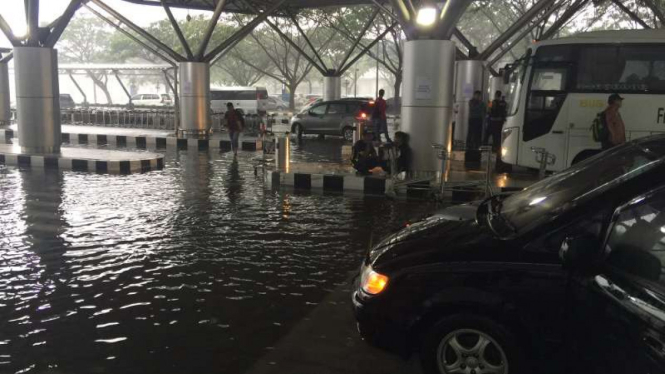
(195, 268)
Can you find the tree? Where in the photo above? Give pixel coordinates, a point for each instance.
(86, 40)
(290, 67)
(349, 23)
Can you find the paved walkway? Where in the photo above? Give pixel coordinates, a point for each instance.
(326, 342)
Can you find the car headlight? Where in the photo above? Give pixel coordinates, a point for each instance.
(372, 282)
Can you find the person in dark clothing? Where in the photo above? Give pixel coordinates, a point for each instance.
(614, 122)
(477, 114)
(401, 150)
(497, 117)
(364, 156)
(234, 124)
(379, 118)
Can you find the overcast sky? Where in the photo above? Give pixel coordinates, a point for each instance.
(13, 12)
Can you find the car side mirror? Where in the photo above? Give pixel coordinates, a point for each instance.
(311, 113)
(580, 253)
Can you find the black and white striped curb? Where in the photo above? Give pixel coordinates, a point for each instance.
(148, 142)
(337, 183)
(75, 164)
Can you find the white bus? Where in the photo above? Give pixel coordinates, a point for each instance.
(251, 100)
(559, 86)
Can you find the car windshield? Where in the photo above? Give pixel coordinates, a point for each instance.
(555, 195)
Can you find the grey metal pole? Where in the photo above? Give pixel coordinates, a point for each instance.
(166, 49)
(32, 18)
(211, 28)
(244, 31)
(85, 98)
(355, 83)
(376, 88)
(127, 34)
(117, 77)
(177, 30)
(564, 18)
(522, 35)
(631, 14)
(512, 30)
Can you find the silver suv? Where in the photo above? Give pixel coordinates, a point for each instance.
(337, 117)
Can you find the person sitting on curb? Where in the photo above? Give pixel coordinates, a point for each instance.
(402, 153)
(364, 156)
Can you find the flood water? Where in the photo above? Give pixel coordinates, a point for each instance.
(192, 269)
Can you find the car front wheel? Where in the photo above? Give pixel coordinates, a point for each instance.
(465, 344)
(347, 133)
(298, 130)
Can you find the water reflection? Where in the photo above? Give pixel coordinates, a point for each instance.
(195, 268)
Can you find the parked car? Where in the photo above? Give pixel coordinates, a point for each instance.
(331, 117)
(566, 276)
(152, 99)
(249, 100)
(66, 102)
(276, 104)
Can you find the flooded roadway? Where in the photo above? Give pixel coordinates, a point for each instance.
(195, 268)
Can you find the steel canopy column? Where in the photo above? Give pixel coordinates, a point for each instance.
(5, 111)
(332, 87)
(429, 68)
(194, 98)
(37, 99)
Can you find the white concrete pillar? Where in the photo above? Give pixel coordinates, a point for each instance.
(470, 76)
(194, 98)
(332, 88)
(37, 99)
(427, 101)
(5, 109)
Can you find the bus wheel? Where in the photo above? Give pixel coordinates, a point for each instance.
(584, 155)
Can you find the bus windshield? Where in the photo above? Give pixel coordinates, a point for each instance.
(515, 84)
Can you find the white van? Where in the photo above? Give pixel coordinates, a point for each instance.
(251, 100)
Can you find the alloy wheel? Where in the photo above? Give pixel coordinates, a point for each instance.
(468, 351)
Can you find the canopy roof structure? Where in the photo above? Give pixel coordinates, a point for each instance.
(237, 6)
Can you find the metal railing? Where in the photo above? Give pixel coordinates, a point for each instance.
(157, 118)
(544, 158)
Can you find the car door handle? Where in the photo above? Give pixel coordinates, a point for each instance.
(655, 344)
(557, 132)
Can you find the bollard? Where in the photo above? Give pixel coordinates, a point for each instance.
(359, 130)
(442, 154)
(486, 149)
(282, 153)
(544, 158)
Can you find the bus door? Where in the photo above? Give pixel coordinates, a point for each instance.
(545, 123)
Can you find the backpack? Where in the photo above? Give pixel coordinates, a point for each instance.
(599, 128)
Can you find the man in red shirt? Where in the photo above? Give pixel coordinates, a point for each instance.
(379, 118)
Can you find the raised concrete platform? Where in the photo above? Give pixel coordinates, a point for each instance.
(82, 159)
(462, 184)
(140, 139)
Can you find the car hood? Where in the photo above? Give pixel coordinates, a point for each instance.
(451, 234)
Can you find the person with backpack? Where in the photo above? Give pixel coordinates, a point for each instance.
(616, 130)
(379, 118)
(234, 124)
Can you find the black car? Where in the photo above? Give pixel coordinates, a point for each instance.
(565, 276)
